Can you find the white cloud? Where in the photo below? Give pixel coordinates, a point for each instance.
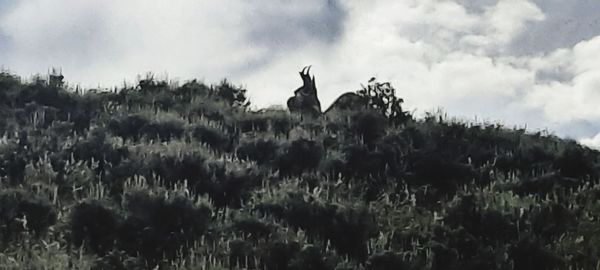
(576, 98)
(593, 142)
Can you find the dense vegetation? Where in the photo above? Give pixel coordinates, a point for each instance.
(187, 177)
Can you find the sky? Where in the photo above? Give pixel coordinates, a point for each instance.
(530, 63)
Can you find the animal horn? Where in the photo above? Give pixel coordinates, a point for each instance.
(308, 70)
(304, 69)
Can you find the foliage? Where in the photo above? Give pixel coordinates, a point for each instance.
(188, 177)
(22, 212)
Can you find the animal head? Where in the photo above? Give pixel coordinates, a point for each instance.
(308, 84)
(305, 97)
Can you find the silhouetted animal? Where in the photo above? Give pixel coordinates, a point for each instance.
(347, 101)
(305, 98)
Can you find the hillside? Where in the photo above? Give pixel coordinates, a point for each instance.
(187, 177)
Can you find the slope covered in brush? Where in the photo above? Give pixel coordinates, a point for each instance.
(186, 176)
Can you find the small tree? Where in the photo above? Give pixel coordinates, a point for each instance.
(382, 97)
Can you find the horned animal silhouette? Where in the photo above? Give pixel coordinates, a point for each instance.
(306, 101)
(305, 98)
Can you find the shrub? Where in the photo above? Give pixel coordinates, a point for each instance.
(14, 167)
(173, 169)
(382, 97)
(529, 254)
(347, 228)
(252, 228)
(214, 137)
(545, 184)
(252, 122)
(118, 260)
(230, 183)
(20, 211)
(574, 161)
(301, 155)
(234, 96)
(488, 225)
(263, 151)
(190, 90)
(551, 221)
(279, 254)
(156, 227)
(241, 254)
(369, 125)
(310, 257)
(128, 127)
(445, 174)
(95, 225)
(163, 130)
(362, 162)
(385, 261)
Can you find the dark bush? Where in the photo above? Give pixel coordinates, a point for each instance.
(545, 184)
(528, 160)
(282, 123)
(487, 224)
(118, 260)
(252, 122)
(20, 211)
(94, 225)
(173, 169)
(164, 130)
(279, 254)
(347, 228)
(529, 254)
(302, 155)
(156, 227)
(40, 214)
(362, 162)
(385, 261)
(430, 167)
(241, 254)
(575, 161)
(369, 125)
(252, 228)
(263, 151)
(230, 184)
(234, 96)
(190, 90)
(214, 137)
(310, 257)
(551, 221)
(151, 86)
(382, 98)
(95, 147)
(128, 127)
(13, 166)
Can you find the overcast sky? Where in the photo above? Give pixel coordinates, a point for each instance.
(533, 62)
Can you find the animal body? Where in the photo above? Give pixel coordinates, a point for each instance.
(306, 101)
(305, 98)
(347, 101)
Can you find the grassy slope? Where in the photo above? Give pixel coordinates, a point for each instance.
(185, 177)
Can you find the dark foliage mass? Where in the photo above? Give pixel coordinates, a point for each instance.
(167, 176)
(95, 226)
(21, 211)
(157, 227)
